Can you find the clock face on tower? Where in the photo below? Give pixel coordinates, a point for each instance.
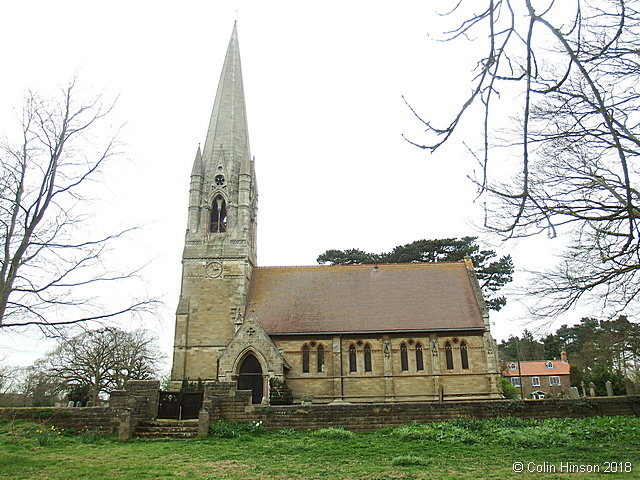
(213, 270)
(219, 180)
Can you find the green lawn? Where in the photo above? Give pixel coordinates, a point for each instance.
(459, 449)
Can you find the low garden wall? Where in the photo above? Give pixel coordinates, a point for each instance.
(369, 417)
(235, 406)
(85, 418)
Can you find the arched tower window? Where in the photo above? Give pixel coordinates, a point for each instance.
(404, 359)
(464, 356)
(320, 354)
(367, 358)
(218, 223)
(353, 366)
(448, 355)
(305, 359)
(419, 357)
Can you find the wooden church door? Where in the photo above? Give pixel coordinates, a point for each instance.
(250, 378)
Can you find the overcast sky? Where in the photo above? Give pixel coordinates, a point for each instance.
(323, 83)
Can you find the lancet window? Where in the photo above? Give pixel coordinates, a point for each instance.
(404, 358)
(464, 356)
(448, 355)
(419, 357)
(305, 359)
(218, 223)
(353, 365)
(320, 355)
(367, 358)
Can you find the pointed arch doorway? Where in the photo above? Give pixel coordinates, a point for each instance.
(250, 378)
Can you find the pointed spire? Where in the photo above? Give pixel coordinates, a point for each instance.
(228, 125)
(197, 163)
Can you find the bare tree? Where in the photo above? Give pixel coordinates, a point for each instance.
(9, 378)
(104, 359)
(40, 388)
(49, 261)
(568, 71)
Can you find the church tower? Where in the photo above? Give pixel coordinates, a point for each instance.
(220, 243)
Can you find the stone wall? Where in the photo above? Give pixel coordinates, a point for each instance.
(228, 403)
(373, 416)
(86, 418)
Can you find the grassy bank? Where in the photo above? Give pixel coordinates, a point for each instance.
(458, 449)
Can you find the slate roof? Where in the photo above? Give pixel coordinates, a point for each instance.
(365, 298)
(538, 368)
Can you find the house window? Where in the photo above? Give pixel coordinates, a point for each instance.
(218, 223)
(419, 357)
(320, 355)
(554, 380)
(367, 358)
(404, 359)
(549, 364)
(448, 355)
(305, 359)
(513, 366)
(535, 381)
(515, 381)
(464, 356)
(353, 366)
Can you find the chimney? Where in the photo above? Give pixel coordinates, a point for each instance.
(563, 356)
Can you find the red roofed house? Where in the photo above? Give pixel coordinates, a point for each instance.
(358, 333)
(540, 378)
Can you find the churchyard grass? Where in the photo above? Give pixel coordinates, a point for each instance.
(463, 448)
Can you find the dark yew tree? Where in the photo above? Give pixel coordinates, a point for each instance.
(568, 72)
(492, 274)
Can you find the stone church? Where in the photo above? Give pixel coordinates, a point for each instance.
(357, 333)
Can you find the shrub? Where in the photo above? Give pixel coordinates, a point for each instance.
(339, 433)
(279, 392)
(44, 436)
(226, 429)
(508, 390)
(189, 386)
(89, 436)
(474, 424)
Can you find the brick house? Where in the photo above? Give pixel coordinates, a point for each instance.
(540, 378)
(357, 333)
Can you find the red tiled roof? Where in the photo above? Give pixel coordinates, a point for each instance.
(538, 368)
(365, 298)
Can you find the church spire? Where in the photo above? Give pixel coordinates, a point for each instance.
(227, 139)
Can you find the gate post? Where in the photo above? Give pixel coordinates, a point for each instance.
(204, 417)
(125, 427)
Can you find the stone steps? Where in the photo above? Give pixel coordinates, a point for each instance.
(167, 429)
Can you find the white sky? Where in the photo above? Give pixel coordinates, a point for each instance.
(323, 85)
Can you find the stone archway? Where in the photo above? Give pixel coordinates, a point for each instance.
(250, 377)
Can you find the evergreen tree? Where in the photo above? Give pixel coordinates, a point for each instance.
(492, 273)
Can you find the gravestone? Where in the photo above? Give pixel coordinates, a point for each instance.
(90, 403)
(574, 393)
(584, 392)
(629, 386)
(592, 389)
(609, 388)
(78, 403)
(71, 403)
